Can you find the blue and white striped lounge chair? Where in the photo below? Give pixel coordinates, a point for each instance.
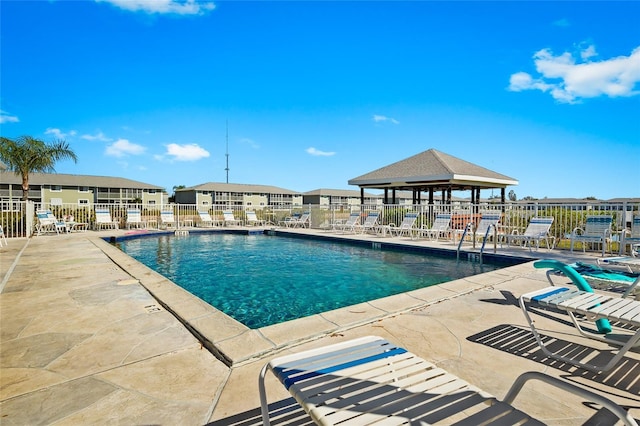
(103, 219)
(252, 219)
(440, 227)
(47, 222)
(206, 221)
(537, 230)
(631, 238)
(370, 381)
(230, 219)
(370, 223)
(134, 219)
(596, 307)
(597, 230)
(167, 219)
(407, 227)
(351, 224)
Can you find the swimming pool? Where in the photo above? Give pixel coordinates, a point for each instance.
(262, 280)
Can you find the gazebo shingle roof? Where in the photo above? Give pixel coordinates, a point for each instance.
(434, 169)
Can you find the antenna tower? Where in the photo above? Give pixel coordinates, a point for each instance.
(227, 154)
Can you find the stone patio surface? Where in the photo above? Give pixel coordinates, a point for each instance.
(90, 336)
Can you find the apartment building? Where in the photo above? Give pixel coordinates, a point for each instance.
(82, 190)
(238, 195)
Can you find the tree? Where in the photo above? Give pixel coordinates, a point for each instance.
(26, 154)
(512, 195)
(175, 188)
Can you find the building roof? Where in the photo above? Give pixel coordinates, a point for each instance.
(340, 193)
(239, 188)
(76, 180)
(433, 169)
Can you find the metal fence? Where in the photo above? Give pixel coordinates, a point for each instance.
(18, 219)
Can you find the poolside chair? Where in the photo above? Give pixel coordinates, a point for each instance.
(3, 237)
(483, 230)
(370, 223)
(304, 221)
(538, 229)
(601, 308)
(407, 227)
(229, 218)
(290, 220)
(631, 237)
(597, 230)
(47, 222)
(370, 380)
(252, 219)
(103, 220)
(167, 219)
(134, 219)
(206, 220)
(440, 227)
(350, 225)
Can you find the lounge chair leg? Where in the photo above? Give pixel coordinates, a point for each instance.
(622, 414)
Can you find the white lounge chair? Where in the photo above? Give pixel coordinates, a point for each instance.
(370, 381)
(370, 223)
(407, 227)
(134, 219)
(167, 219)
(206, 220)
(304, 221)
(47, 222)
(596, 307)
(350, 225)
(631, 238)
(538, 229)
(104, 220)
(597, 230)
(484, 229)
(229, 218)
(252, 219)
(440, 227)
(3, 237)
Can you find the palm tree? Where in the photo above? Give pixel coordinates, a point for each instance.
(26, 154)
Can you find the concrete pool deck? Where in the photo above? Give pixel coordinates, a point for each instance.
(90, 336)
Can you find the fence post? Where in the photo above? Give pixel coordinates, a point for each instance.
(30, 212)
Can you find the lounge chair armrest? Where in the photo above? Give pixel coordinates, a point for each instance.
(621, 413)
(575, 231)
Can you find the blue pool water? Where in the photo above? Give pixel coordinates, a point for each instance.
(261, 280)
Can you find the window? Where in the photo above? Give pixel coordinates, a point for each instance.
(56, 201)
(205, 203)
(83, 189)
(151, 202)
(151, 191)
(56, 188)
(83, 202)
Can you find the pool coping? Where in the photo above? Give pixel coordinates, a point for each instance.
(235, 344)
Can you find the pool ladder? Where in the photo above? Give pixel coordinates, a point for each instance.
(181, 232)
(478, 257)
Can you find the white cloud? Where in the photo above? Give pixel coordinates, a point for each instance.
(569, 81)
(59, 134)
(378, 118)
(250, 142)
(5, 117)
(97, 137)
(562, 22)
(178, 7)
(316, 152)
(123, 147)
(191, 152)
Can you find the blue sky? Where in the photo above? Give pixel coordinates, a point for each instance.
(317, 93)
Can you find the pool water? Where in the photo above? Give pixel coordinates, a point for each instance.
(262, 280)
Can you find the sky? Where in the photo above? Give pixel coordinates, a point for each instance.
(305, 95)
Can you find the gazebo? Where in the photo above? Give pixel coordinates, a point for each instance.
(432, 171)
